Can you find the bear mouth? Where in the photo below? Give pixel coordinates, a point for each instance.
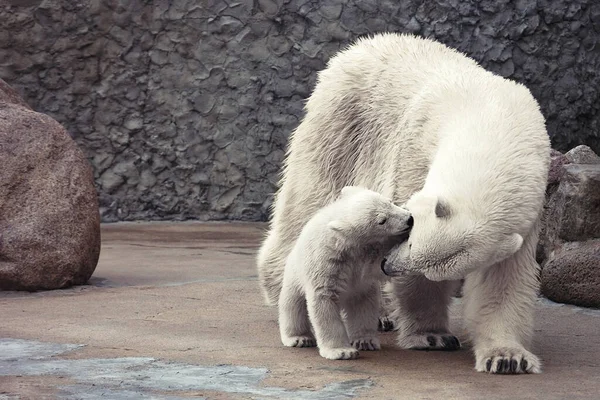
(443, 266)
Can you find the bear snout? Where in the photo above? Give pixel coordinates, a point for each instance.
(410, 221)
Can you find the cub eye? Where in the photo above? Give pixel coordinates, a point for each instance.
(382, 220)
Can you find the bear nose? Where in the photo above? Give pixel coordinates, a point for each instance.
(383, 265)
(410, 222)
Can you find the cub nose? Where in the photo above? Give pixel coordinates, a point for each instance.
(410, 221)
(383, 265)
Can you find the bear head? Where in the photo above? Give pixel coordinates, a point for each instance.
(365, 216)
(448, 241)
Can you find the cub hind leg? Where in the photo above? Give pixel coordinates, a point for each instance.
(294, 325)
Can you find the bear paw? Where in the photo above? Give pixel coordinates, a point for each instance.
(366, 344)
(299, 341)
(429, 341)
(507, 360)
(386, 325)
(343, 353)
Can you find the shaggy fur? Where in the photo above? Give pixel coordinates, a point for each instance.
(334, 268)
(468, 150)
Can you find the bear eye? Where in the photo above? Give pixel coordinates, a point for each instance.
(382, 220)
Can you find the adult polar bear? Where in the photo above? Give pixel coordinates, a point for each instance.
(416, 120)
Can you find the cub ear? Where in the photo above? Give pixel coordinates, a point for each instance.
(509, 246)
(352, 190)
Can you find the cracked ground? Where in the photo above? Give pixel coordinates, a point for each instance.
(173, 311)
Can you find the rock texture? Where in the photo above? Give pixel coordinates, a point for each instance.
(574, 276)
(569, 249)
(49, 220)
(572, 210)
(184, 107)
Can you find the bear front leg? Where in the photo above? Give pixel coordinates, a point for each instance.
(361, 318)
(420, 313)
(294, 325)
(499, 304)
(324, 313)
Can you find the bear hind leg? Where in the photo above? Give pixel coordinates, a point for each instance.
(271, 261)
(419, 311)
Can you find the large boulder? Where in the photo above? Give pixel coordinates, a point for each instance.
(572, 210)
(577, 212)
(49, 219)
(573, 276)
(569, 249)
(545, 243)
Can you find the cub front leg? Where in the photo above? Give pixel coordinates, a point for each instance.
(324, 313)
(362, 318)
(499, 306)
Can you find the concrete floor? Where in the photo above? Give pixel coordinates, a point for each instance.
(174, 311)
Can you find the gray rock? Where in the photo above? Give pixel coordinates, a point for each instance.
(557, 160)
(571, 212)
(49, 220)
(578, 196)
(582, 155)
(574, 275)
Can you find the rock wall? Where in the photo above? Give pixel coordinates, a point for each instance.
(184, 107)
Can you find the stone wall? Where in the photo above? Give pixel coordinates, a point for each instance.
(184, 107)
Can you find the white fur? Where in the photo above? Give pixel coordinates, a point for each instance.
(334, 269)
(468, 150)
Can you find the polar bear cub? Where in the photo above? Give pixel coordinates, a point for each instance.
(332, 275)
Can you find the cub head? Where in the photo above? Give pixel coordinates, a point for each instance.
(369, 217)
(447, 241)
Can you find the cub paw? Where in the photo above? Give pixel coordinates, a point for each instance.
(507, 360)
(343, 353)
(368, 344)
(429, 341)
(386, 325)
(299, 341)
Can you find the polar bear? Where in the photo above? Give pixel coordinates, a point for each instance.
(468, 150)
(334, 267)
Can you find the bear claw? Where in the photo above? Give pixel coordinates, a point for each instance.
(385, 325)
(369, 344)
(430, 341)
(299, 341)
(508, 361)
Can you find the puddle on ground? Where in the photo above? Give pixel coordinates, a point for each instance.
(135, 377)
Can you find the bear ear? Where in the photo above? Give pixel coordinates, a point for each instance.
(509, 246)
(338, 225)
(442, 210)
(351, 190)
